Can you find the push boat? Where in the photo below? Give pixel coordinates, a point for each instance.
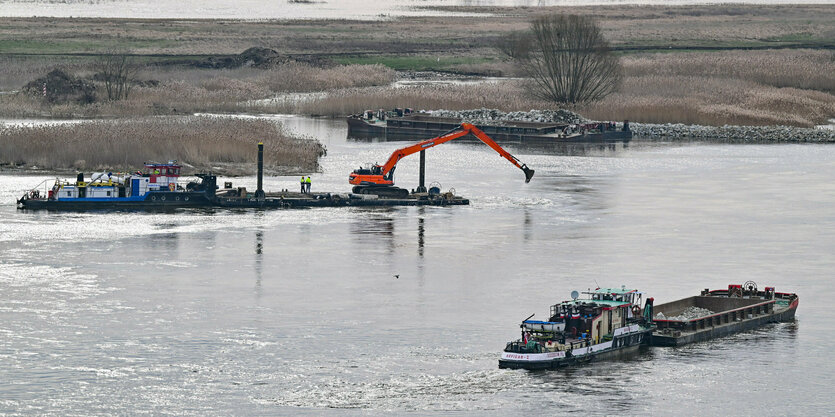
(717, 313)
(606, 324)
(157, 187)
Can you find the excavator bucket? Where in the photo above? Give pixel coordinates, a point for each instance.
(528, 173)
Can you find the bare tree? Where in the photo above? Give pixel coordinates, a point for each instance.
(569, 60)
(118, 71)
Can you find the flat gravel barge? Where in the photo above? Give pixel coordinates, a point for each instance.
(299, 200)
(720, 313)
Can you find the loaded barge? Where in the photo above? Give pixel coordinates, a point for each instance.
(607, 324)
(404, 124)
(719, 313)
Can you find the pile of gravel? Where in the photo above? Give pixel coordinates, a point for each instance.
(732, 134)
(689, 313)
(498, 117)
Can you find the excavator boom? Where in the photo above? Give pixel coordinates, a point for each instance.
(381, 175)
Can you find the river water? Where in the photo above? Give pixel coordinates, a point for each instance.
(248, 312)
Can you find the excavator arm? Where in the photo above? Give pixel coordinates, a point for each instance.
(464, 130)
(379, 179)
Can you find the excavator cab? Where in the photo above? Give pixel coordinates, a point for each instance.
(371, 176)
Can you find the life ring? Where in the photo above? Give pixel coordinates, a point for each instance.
(636, 311)
(172, 187)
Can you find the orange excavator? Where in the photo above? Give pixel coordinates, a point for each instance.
(379, 179)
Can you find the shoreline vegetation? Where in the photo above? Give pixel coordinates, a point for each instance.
(224, 145)
(705, 67)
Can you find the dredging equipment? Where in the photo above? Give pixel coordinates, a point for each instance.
(379, 179)
(157, 187)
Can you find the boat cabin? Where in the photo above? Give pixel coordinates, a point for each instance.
(600, 316)
(162, 175)
(105, 185)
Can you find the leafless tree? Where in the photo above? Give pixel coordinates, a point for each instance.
(569, 60)
(118, 71)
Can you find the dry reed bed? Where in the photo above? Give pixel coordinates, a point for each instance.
(205, 90)
(504, 95)
(202, 142)
(794, 88)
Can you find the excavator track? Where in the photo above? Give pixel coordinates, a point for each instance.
(387, 192)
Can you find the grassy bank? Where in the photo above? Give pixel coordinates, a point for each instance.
(786, 87)
(676, 70)
(201, 143)
(186, 91)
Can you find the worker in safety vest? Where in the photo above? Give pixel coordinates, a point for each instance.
(308, 184)
(302, 184)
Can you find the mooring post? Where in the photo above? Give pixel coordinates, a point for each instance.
(421, 184)
(259, 193)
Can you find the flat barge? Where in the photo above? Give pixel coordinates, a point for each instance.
(406, 125)
(607, 324)
(157, 188)
(717, 313)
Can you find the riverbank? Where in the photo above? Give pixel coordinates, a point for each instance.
(200, 143)
(668, 131)
(700, 64)
(733, 134)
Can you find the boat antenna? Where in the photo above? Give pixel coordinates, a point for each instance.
(595, 283)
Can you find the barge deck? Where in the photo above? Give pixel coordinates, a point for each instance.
(299, 200)
(408, 126)
(724, 312)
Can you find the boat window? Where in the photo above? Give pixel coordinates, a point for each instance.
(108, 193)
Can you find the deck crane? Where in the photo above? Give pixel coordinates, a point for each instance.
(379, 179)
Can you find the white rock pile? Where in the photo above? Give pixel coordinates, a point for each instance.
(689, 313)
(498, 117)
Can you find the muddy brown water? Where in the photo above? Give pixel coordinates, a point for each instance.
(221, 312)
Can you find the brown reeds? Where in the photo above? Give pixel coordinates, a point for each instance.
(190, 91)
(791, 87)
(505, 95)
(201, 142)
(737, 88)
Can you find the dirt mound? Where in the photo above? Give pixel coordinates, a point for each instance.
(62, 88)
(252, 57)
(258, 58)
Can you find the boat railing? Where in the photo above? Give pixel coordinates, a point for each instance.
(34, 193)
